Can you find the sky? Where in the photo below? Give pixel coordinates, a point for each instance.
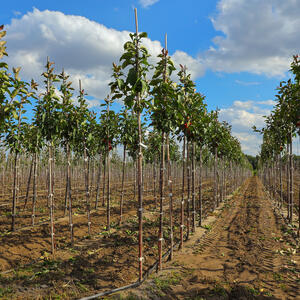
(237, 51)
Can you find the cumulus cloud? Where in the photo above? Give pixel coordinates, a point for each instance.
(247, 83)
(267, 102)
(242, 115)
(259, 36)
(84, 48)
(146, 3)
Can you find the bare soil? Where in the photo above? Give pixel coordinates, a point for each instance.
(246, 253)
(101, 261)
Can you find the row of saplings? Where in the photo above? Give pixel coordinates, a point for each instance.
(282, 126)
(174, 109)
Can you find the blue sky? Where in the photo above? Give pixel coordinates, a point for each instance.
(236, 50)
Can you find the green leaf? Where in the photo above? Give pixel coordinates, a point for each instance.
(143, 35)
(132, 77)
(15, 115)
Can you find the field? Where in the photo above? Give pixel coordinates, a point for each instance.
(100, 261)
(149, 194)
(106, 260)
(246, 252)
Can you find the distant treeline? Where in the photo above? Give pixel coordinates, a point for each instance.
(254, 160)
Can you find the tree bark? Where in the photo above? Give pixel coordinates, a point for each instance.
(28, 183)
(161, 198)
(122, 187)
(182, 195)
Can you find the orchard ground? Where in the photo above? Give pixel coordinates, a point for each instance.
(247, 252)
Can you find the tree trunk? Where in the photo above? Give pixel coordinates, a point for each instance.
(288, 183)
(154, 182)
(122, 188)
(34, 188)
(216, 201)
(108, 192)
(182, 196)
(15, 186)
(69, 191)
(189, 189)
(193, 189)
(51, 199)
(28, 183)
(200, 188)
(170, 188)
(104, 182)
(280, 180)
(161, 202)
(291, 179)
(87, 188)
(98, 181)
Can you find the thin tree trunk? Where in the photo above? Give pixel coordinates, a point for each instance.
(200, 188)
(288, 183)
(134, 179)
(182, 196)
(14, 204)
(216, 201)
(98, 181)
(161, 190)
(193, 189)
(154, 182)
(108, 192)
(122, 187)
(104, 182)
(170, 188)
(34, 187)
(280, 179)
(16, 172)
(51, 199)
(140, 163)
(87, 188)
(189, 189)
(28, 183)
(67, 180)
(291, 179)
(69, 191)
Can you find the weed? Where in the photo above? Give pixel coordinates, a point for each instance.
(277, 277)
(253, 291)
(207, 227)
(81, 287)
(5, 291)
(283, 287)
(219, 290)
(165, 283)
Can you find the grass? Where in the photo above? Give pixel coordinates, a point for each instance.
(277, 277)
(207, 227)
(5, 291)
(218, 289)
(253, 291)
(165, 283)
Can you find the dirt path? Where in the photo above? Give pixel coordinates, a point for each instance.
(246, 253)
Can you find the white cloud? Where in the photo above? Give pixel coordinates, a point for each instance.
(243, 104)
(242, 115)
(260, 36)
(147, 3)
(84, 48)
(247, 83)
(267, 102)
(194, 66)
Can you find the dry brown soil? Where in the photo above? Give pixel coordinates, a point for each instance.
(246, 253)
(95, 263)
